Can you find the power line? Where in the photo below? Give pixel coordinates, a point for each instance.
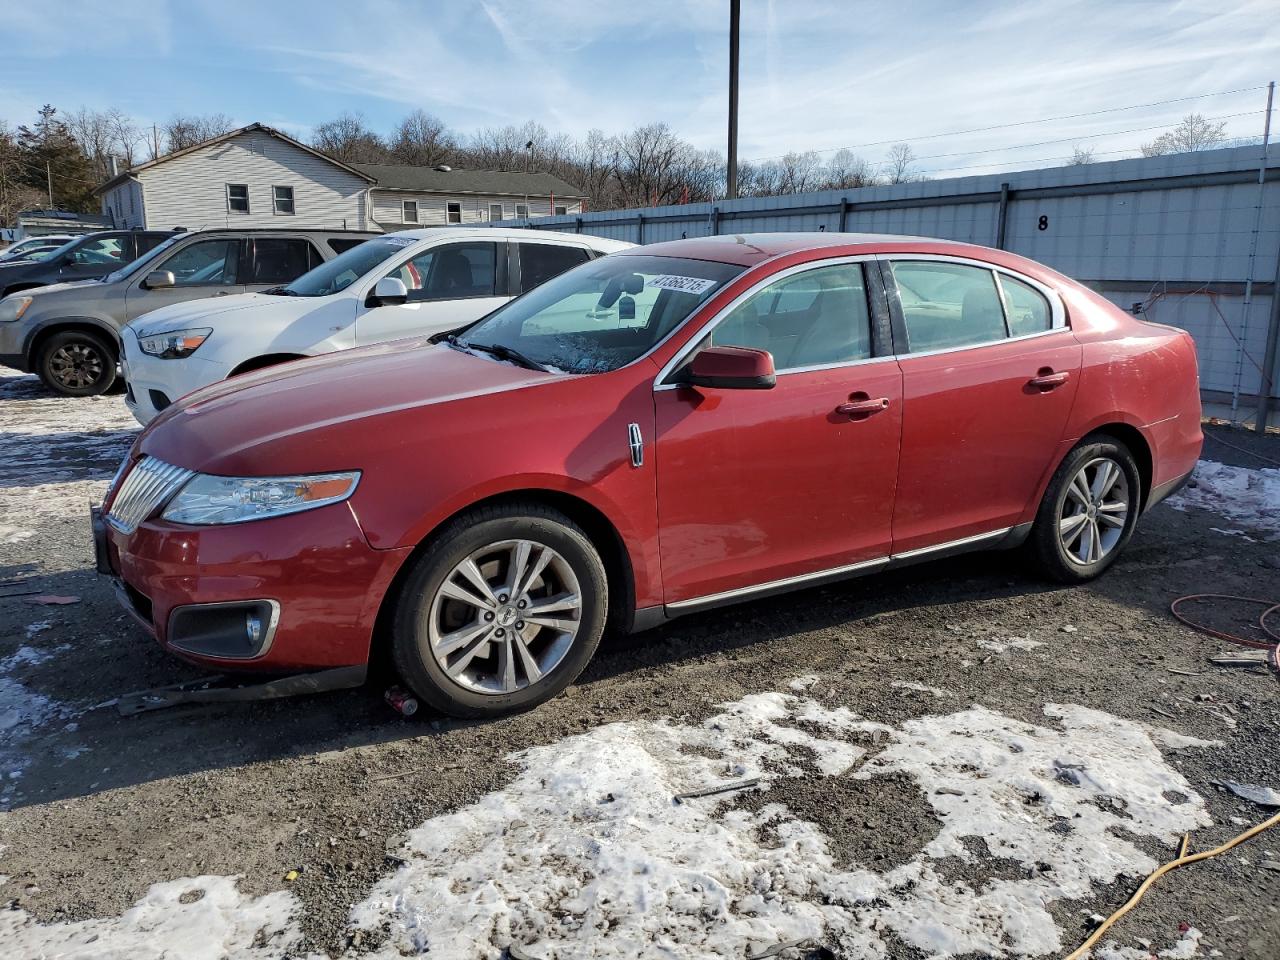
(997, 163)
(1087, 136)
(1021, 123)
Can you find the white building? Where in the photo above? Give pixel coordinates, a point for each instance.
(259, 177)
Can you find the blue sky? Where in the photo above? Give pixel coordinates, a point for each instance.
(816, 74)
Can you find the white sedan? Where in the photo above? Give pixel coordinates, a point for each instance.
(404, 284)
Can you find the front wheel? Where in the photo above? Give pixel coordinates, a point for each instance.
(76, 363)
(1088, 512)
(501, 612)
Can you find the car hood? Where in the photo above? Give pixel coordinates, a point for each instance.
(52, 289)
(324, 412)
(179, 315)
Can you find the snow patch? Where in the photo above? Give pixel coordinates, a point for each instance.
(22, 710)
(1187, 947)
(918, 687)
(1003, 644)
(200, 918)
(585, 854)
(1250, 497)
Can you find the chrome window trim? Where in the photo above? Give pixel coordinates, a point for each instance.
(671, 365)
(802, 578)
(1057, 311)
(985, 343)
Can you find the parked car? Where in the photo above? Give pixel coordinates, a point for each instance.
(664, 430)
(23, 249)
(69, 333)
(406, 283)
(88, 257)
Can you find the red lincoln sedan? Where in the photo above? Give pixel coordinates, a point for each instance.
(663, 430)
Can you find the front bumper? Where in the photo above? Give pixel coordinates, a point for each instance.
(316, 568)
(152, 384)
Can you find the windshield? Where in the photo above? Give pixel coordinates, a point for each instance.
(132, 267)
(346, 268)
(602, 315)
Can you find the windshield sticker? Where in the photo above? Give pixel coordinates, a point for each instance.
(694, 285)
(401, 241)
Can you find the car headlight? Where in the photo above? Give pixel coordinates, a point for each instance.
(12, 308)
(173, 344)
(207, 499)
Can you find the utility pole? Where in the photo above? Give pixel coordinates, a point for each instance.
(1266, 380)
(735, 15)
(48, 173)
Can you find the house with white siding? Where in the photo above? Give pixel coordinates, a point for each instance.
(259, 177)
(404, 197)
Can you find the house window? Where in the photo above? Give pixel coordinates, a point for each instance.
(237, 197)
(561, 211)
(408, 211)
(454, 212)
(522, 211)
(283, 197)
(496, 212)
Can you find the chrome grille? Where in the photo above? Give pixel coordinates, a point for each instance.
(149, 484)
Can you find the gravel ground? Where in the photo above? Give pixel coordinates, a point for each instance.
(97, 807)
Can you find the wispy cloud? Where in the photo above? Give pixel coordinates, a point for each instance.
(816, 74)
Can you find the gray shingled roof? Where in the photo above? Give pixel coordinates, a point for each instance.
(430, 180)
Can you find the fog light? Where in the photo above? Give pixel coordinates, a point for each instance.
(238, 630)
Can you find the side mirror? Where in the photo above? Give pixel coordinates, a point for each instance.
(732, 368)
(389, 292)
(158, 279)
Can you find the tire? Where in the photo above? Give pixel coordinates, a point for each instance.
(1077, 534)
(77, 363)
(463, 656)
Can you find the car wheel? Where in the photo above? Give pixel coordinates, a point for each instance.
(501, 612)
(77, 364)
(1089, 511)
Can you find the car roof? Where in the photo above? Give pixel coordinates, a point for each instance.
(514, 233)
(748, 249)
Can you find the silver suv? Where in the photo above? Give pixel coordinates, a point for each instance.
(68, 333)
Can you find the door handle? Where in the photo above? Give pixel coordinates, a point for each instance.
(862, 408)
(1047, 381)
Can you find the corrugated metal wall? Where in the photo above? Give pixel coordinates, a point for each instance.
(1174, 231)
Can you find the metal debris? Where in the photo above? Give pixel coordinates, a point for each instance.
(711, 791)
(1263, 796)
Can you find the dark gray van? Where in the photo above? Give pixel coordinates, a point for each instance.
(68, 332)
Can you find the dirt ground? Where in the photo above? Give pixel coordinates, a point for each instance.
(98, 807)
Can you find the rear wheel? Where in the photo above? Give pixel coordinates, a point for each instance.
(1089, 511)
(77, 363)
(502, 611)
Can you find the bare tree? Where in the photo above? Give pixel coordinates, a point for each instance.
(422, 140)
(181, 132)
(900, 166)
(16, 194)
(125, 136)
(92, 129)
(1195, 132)
(846, 169)
(1080, 156)
(349, 140)
(799, 172)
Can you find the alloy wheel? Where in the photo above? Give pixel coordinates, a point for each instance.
(505, 617)
(1094, 512)
(77, 365)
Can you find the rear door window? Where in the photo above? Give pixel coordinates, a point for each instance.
(539, 262)
(1028, 309)
(280, 259)
(948, 305)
